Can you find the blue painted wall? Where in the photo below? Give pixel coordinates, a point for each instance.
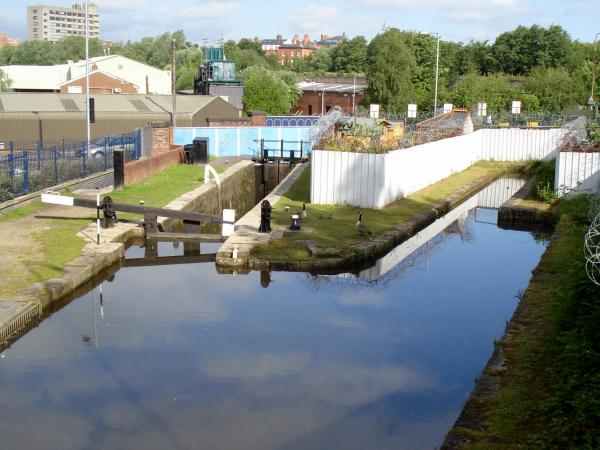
(242, 141)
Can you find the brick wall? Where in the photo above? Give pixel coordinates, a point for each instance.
(310, 102)
(254, 120)
(144, 168)
(161, 140)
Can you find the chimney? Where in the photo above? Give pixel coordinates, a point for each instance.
(279, 37)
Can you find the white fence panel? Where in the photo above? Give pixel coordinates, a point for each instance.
(373, 181)
(520, 144)
(577, 172)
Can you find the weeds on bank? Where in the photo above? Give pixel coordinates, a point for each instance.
(550, 396)
(334, 227)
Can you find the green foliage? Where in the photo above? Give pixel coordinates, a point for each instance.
(5, 82)
(555, 88)
(349, 56)
(265, 91)
(517, 52)
(390, 67)
(246, 54)
(543, 182)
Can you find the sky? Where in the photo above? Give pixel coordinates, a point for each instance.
(455, 20)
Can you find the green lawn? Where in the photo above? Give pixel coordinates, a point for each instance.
(60, 244)
(335, 226)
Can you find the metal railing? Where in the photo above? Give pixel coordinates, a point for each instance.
(28, 166)
(282, 150)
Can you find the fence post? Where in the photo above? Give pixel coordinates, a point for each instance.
(25, 172)
(55, 157)
(281, 155)
(83, 160)
(292, 152)
(39, 154)
(11, 161)
(119, 168)
(105, 155)
(301, 148)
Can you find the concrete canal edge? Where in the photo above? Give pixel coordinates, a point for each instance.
(247, 236)
(237, 190)
(471, 420)
(518, 213)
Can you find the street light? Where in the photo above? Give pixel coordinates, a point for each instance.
(437, 65)
(87, 80)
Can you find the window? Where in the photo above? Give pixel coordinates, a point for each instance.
(310, 110)
(35, 36)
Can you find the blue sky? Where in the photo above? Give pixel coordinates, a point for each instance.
(457, 20)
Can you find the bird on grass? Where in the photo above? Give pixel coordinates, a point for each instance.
(361, 227)
(302, 214)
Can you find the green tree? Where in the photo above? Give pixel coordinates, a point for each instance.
(350, 56)
(5, 82)
(390, 67)
(291, 81)
(518, 51)
(556, 89)
(248, 44)
(265, 91)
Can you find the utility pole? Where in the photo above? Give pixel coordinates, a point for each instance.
(437, 67)
(173, 84)
(87, 81)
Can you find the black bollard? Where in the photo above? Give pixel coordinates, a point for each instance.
(265, 217)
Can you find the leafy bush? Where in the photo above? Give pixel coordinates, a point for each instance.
(543, 182)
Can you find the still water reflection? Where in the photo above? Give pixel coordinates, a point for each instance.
(181, 357)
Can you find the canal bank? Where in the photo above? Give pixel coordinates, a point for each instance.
(540, 387)
(401, 222)
(237, 190)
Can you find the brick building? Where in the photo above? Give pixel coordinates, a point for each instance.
(321, 95)
(100, 83)
(8, 40)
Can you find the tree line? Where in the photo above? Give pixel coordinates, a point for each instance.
(543, 67)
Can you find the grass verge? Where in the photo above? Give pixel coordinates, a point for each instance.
(334, 226)
(59, 242)
(549, 397)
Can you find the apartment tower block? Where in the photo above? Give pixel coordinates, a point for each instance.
(52, 23)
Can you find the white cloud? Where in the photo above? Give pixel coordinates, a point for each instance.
(120, 5)
(315, 18)
(209, 10)
(581, 7)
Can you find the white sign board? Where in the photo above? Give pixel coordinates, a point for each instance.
(74, 89)
(412, 111)
(516, 107)
(374, 111)
(447, 107)
(481, 109)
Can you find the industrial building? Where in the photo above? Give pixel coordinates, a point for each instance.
(52, 117)
(52, 23)
(120, 75)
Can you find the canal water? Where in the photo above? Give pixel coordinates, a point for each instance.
(181, 357)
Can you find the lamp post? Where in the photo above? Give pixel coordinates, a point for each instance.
(437, 66)
(87, 80)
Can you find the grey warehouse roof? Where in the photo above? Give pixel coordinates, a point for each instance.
(16, 102)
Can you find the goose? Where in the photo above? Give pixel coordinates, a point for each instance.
(302, 214)
(361, 227)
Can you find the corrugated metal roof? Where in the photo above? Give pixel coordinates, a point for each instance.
(134, 103)
(330, 87)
